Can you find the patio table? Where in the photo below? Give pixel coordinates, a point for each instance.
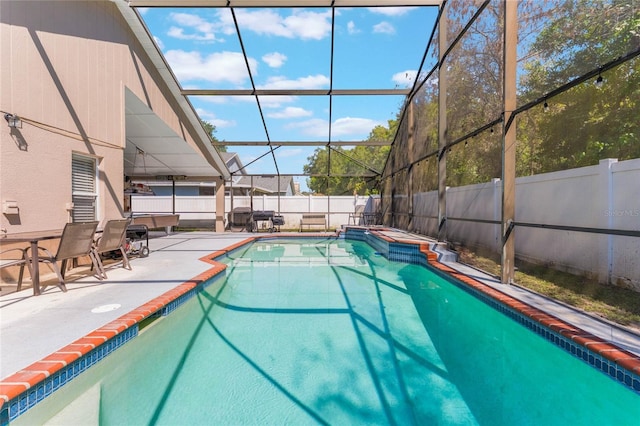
(33, 238)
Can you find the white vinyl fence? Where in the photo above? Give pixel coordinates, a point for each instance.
(200, 210)
(605, 196)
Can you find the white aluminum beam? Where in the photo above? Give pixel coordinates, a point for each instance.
(306, 143)
(282, 3)
(294, 92)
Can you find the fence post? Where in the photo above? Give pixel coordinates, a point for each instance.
(604, 209)
(497, 212)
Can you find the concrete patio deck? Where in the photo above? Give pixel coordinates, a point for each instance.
(33, 327)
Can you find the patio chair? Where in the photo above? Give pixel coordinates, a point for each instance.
(112, 239)
(76, 241)
(14, 260)
(358, 215)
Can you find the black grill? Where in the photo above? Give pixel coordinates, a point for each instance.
(263, 215)
(240, 216)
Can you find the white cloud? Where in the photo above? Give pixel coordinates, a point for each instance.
(404, 78)
(274, 59)
(210, 99)
(158, 42)
(211, 118)
(384, 28)
(317, 81)
(351, 28)
(267, 102)
(353, 126)
(201, 29)
(217, 67)
(314, 127)
(274, 101)
(178, 33)
(300, 24)
(289, 152)
(291, 112)
(341, 127)
(390, 11)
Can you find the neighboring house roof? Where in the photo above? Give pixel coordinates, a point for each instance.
(228, 156)
(267, 184)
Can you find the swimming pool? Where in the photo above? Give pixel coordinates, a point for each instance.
(331, 332)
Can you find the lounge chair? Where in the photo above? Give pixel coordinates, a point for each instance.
(14, 260)
(112, 239)
(76, 241)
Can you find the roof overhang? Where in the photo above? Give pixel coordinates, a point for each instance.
(165, 152)
(154, 149)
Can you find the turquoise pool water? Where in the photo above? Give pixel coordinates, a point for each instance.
(329, 332)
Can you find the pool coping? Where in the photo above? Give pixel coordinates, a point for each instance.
(21, 390)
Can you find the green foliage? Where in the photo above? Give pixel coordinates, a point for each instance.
(336, 164)
(587, 123)
(211, 131)
(558, 42)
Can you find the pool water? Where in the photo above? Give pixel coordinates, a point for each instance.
(329, 332)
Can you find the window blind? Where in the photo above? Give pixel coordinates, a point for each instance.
(83, 186)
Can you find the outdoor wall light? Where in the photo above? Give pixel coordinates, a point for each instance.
(599, 81)
(13, 121)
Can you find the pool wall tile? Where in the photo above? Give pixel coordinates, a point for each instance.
(22, 390)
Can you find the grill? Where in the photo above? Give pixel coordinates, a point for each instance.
(240, 217)
(269, 220)
(244, 218)
(262, 215)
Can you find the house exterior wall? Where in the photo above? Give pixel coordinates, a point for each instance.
(64, 68)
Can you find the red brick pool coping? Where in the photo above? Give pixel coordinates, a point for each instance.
(29, 377)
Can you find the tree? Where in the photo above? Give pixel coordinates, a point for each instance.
(558, 41)
(358, 161)
(586, 123)
(211, 131)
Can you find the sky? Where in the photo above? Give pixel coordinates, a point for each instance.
(374, 48)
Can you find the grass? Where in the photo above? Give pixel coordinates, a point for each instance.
(616, 304)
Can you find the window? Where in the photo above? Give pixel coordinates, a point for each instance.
(83, 187)
(207, 190)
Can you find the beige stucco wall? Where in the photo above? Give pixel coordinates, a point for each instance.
(63, 69)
